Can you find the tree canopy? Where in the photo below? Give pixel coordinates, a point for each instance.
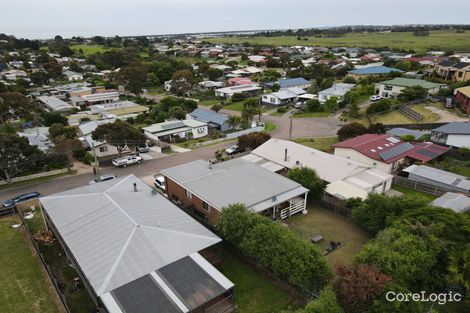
(119, 134)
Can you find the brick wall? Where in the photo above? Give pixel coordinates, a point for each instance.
(176, 192)
(464, 102)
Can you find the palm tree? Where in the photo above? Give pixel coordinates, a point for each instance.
(234, 121)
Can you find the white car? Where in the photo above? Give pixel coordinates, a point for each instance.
(233, 150)
(128, 160)
(375, 98)
(298, 105)
(159, 182)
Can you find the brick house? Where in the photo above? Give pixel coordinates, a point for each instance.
(206, 188)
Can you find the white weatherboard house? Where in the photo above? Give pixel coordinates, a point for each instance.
(455, 134)
(135, 251)
(283, 96)
(177, 129)
(338, 90)
(248, 89)
(346, 178)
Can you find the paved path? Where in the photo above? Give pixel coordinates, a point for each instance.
(446, 116)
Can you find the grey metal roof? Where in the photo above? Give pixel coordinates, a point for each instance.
(462, 128)
(440, 176)
(398, 131)
(117, 235)
(454, 201)
(209, 116)
(234, 181)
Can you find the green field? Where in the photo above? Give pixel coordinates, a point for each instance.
(23, 285)
(254, 293)
(442, 40)
(89, 49)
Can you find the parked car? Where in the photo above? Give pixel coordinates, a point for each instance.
(159, 182)
(102, 178)
(298, 105)
(233, 150)
(127, 160)
(375, 98)
(21, 198)
(143, 148)
(449, 103)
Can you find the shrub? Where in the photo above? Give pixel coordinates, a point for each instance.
(253, 140)
(274, 247)
(308, 178)
(379, 107)
(281, 109)
(351, 130)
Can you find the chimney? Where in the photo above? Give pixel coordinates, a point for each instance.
(135, 187)
(285, 155)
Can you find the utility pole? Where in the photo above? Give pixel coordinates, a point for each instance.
(97, 163)
(291, 120)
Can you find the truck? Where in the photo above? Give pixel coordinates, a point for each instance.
(127, 160)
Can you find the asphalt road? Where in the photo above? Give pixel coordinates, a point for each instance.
(302, 127)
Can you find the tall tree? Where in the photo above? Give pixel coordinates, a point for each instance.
(134, 77)
(120, 134)
(308, 178)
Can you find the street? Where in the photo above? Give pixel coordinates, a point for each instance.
(302, 127)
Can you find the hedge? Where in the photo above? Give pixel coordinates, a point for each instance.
(275, 247)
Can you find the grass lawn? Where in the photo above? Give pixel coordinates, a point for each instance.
(414, 193)
(275, 113)
(331, 226)
(254, 293)
(270, 126)
(36, 180)
(320, 143)
(445, 40)
(208, 103)
(235, 106)
(23, 284)
(90, 49)
(78, 301)
(458, 168)
(395, 117)
(311, 114)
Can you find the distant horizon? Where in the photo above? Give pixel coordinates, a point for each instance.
(241, 31)
(45, 19)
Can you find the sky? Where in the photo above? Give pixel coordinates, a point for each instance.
(42, 19)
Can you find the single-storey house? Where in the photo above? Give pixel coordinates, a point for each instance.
(283, 96)
(455, 201)
(451, 70)
(237, 81)
(345, 178)
(372, 71)
(248, 90)
(207, 188)
(454, 134)
(247, 71)
(135, 251)
(462, 95)
(210, 85)
(298, 82)
(101, 148)
(213, 119)
(393, 88)
(438, 178)
(121, 109)
(54, 104)
(338, 90)
(38, 136)
(176, 130)
(386, 153)
(72, 76)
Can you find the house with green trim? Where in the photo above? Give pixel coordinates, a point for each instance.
(393, 88)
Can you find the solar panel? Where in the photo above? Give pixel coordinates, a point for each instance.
(143, 295)
(396, 151)
(428, 153)
(173, 125)
(192, 284)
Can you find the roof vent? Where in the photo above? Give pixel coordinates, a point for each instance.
(135, 187)
(274, 198)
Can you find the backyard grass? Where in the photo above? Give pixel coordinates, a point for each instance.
(90, 49)
(414, 193)
(331, 226)
(311, 114)
(254, 293)
(319, 143)
(78, 301)
(23, 284)
(441, 40)
(270, 126)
